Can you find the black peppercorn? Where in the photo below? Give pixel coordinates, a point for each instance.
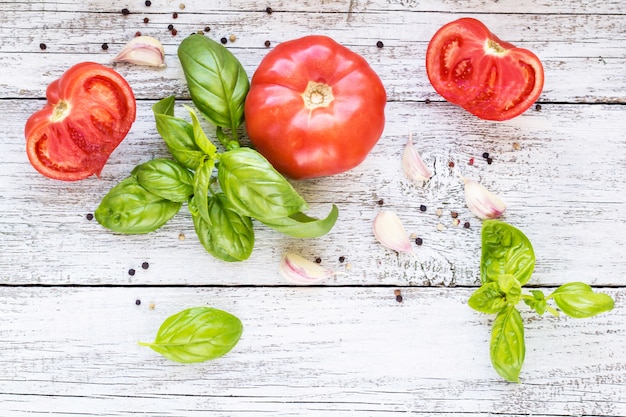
(224, 40)
(538, 107)
(268, 10)
(146, 20)
(137, 302)
(318, 260)
(485, 155)
(207, 29)
(267, 44)
(419, 241)
(170, 27)
(489, 161)
(342, 259)
(43, 46)
(399, 298)
(466, 225)
(422, 207)
(175, 15)
(381, 202)
(380, 44)
(89, 216)
(131, 272)
(145, 265)
(148, 3)
(125, 12)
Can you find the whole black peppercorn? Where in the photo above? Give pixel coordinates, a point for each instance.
(538, 107)
(399, 298)
(125, 12)
(145, 265)
(427, 101)
(381, 202)
(43, 46)
(342, 259)
(485, 155)
(489, 161)
(422, 207)
(207, 29)
(137, 302)
(380, 44)
(170, 27)
(318, 260)
(466, 225)
(267, 44)
(131, 272)
(268, 10)
(224, 40)
(148, 3)
(89, 216)
(419, 241)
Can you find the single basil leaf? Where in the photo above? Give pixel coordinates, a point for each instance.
(130, 208)
(507, 348)
(488, 299)
(218, 83)
(578, 300)
(537, 302)
(254, 188)
(165, 178)
(200, 137)
(201, 182)
(228, 235)
(302, 226)
(197, 334)
(178, 134)
(511, 287)
(505, 250)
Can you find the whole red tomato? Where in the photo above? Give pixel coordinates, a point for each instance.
(492, 79)
(90, 110)
(315, 108)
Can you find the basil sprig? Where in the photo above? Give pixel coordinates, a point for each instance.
(197, 334)
(506, 264)
(224, 190)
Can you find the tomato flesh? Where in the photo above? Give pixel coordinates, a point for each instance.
(315, 108)
(471, 67)
(89, 112)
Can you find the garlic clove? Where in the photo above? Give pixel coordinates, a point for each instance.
(390, 232)
(298, 270)
(482, 202)
(142, 50)
(413, 165)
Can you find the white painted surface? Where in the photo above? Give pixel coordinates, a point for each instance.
(69, 321)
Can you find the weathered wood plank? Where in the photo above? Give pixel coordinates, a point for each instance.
(583, 57)
(314, 351)
(563, 188)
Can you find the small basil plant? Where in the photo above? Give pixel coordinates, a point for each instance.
(224, 190)
(507, 263)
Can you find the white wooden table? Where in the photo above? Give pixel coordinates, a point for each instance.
(69, 322)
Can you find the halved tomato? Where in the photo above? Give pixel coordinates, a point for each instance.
(471, 67)
(89, 112)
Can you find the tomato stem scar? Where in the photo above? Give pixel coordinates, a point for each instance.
(317, 95)
(60, 111)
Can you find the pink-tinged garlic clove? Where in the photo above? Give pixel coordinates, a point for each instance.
(482, 202)
(142, 50)
(390, 232)
(412, 164)
(298, 270)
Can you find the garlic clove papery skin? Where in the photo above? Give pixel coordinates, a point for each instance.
(482, 202)
(142, 50)
(390, 232)
(412, 164)
(298, 270)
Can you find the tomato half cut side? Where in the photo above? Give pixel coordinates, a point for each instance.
(491, 78)
(88, 113)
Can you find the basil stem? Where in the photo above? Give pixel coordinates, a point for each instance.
(130, 208)
(196, 335)
(218, 83)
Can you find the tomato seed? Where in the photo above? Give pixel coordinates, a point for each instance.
(125, 12)
(380, 44)
(233, 38)
(131, 272)
(145, 265)
(181, 6)
(43, 46)
(89, 216)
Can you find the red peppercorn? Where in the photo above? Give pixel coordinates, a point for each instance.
(137, 34)
(175, 15)
(174, 32)
(471, 161)
(146, 20)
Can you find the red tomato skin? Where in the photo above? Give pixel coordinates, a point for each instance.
(88, 113)
(471, 67)
(307, 143)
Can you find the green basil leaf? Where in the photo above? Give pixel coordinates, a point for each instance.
(507, 348)
(511, 287)
(537, 302)
(200, 137)
(302, 226)
(228, 235)
(178, 134)
(201, 182)
(165, 178)
(505, 250)
(130, 208)
(578, 300)
(197, 334)
(218, 83)
(488, 299)
(254, 188)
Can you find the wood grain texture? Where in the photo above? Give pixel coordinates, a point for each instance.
(70, 323)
